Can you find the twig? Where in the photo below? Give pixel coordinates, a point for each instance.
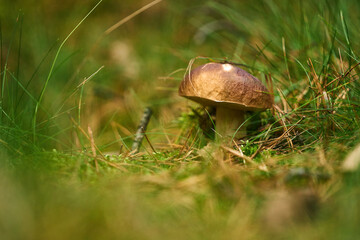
(141, 130)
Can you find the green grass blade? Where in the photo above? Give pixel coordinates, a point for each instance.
(53, 66)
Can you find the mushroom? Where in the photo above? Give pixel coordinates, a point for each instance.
(231, 90)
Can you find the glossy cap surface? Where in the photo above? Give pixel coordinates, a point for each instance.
(226, 85)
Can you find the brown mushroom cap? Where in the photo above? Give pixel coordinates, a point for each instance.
(216, 84)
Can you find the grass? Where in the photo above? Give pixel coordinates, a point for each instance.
(82, 99)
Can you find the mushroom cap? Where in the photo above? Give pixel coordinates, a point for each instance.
(226, 85)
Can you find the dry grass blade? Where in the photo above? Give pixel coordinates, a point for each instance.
(114, 165)
(90, 77)
(342, 76)
(194, 140)
(103, 158)
(117, 136)
(188, 71)
(300, 97)
(283, 101)
(281, 117)
(93, 148)
(277, 140)
(147, 139)
(123, 129)
(285, 57)
(239, 154)
(341, 62)
(110, 30)
(169, 76)
(168, 145)
(129, 17)
(321, 91)
(9, 147)
(187, 139)
(270, 84)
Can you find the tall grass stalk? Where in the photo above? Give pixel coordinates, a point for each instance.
(52, 68)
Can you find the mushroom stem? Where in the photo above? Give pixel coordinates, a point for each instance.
(227, 123)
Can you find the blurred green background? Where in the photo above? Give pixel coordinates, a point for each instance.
(138, 58)
(145, 58)
(53, 187)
